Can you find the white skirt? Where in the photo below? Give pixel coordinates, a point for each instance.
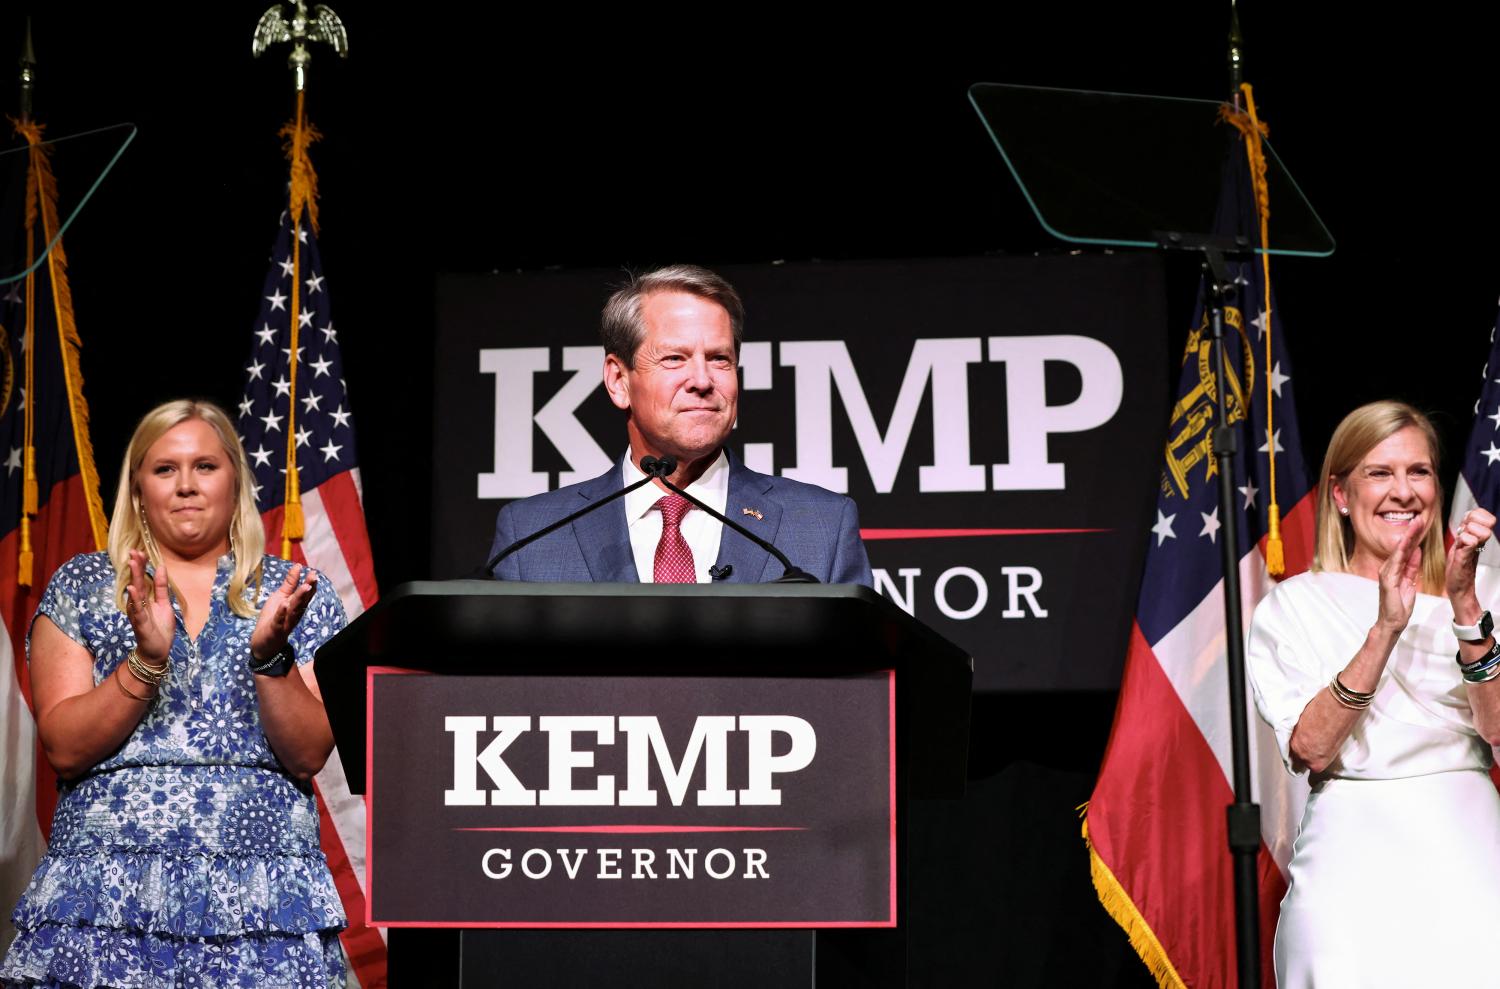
(1394, 883)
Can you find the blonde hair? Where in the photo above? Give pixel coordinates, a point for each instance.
(127, 526)
(1361, 431)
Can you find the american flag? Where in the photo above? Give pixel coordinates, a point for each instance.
(69, 517)
(1479, 476)
(1156, 822)
(335, 541)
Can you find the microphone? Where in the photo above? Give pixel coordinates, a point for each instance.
(660, 468)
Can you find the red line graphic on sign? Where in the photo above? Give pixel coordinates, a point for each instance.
(966, 533)
(628, 829)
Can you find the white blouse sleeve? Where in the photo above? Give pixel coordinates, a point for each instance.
(1284, 671)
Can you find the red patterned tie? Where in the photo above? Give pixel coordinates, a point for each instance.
(674, 559)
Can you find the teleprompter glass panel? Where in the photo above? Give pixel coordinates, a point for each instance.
(1124, 170)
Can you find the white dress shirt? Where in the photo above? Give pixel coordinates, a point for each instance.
(701, 530)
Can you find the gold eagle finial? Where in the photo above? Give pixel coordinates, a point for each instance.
(302, 28)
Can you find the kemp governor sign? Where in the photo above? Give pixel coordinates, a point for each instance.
(997, 420)
(717, 802)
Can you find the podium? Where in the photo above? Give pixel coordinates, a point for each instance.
(603, 784)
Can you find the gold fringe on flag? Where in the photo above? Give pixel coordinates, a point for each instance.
(298, 136)
(1254, 129)
(1118, 905)
(41, 200)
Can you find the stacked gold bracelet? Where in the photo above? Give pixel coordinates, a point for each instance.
(1354, 700)
(151, 676)
(127, 691)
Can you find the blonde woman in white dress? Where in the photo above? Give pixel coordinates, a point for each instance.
(1380, 675)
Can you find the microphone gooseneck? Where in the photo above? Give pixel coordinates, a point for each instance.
(659, 469)
(494, 561)
(664, 466)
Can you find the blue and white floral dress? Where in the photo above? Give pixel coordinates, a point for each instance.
(189, 857)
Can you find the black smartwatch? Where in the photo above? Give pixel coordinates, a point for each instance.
(278, 665)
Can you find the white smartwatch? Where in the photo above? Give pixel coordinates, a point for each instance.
(1475, 633)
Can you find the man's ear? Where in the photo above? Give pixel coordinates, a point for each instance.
(616, 382)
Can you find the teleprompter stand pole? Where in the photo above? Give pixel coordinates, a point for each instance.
(1244, 814)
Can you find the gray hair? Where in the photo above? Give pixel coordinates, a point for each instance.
(621, 328)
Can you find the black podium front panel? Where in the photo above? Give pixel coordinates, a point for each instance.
(609, 801)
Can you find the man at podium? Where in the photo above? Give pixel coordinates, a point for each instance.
(671, 341)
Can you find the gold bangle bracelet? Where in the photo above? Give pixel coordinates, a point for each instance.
(146, 673)
(1350, 692)
(1359, 697)
(126, 690)
(139, 679)
(161, 668)
(1354, 700)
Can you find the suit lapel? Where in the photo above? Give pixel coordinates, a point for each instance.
(604, 535)
(749, 490)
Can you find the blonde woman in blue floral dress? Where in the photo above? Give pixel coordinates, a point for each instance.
(172, 698)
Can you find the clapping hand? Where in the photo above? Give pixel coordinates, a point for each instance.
(1400, 577)
(150, 612)
(281, 613)
(1463, 556)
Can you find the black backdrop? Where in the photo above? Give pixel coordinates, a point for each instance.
(975, 351)
(477, 139)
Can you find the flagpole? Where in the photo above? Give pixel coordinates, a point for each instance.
(300, 30)
(1243, 816)
(28, 74)
(1236, 52)
(336, 540)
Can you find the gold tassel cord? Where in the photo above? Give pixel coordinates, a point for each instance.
(293, 526)
(1122, 910)
(1253, 129)
(299, 136)
(26, 561)
(41, 203)
(70, 344)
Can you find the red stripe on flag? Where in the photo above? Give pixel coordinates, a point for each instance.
(347, 516)
(60, 530)
(271, 521)
(1157, 821)
(363, 944)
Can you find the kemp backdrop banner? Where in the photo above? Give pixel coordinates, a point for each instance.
(997, 420)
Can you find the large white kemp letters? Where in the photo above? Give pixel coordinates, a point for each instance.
(644, 742)
(822, 367)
